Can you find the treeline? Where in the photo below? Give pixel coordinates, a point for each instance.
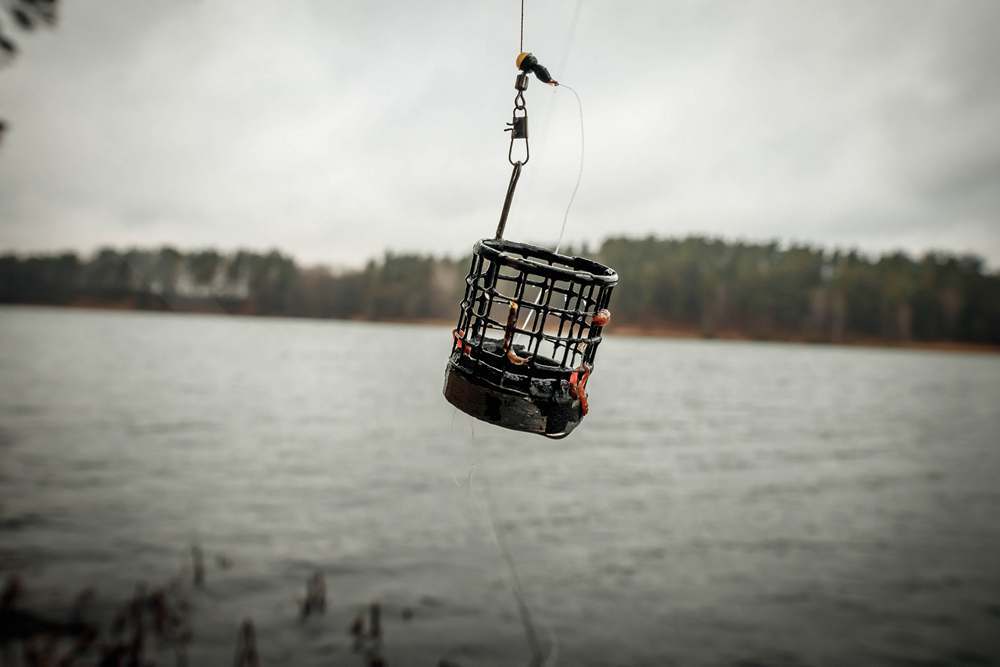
(396, 287)
(765, 290)
(695, 284)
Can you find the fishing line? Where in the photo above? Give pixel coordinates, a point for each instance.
(569, 42)
(572, 198)
(520, 44)
(579, 173)
(563, 60)
(514, 578)
(489, 510)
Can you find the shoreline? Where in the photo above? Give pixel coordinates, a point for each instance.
(666, 331)
(681, 333)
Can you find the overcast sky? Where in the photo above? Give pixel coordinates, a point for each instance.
(336, 130)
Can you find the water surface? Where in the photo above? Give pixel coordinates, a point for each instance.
(724, 503)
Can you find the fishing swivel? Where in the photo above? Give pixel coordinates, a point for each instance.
(518, 126)
(527, 63)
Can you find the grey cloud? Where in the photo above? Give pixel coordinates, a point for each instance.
(335, 130)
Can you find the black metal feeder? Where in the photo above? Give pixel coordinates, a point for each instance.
(531, 319)
(528, 331)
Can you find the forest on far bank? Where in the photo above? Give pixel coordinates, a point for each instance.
(702, 285)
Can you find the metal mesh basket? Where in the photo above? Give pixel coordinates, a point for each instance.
(528, 331)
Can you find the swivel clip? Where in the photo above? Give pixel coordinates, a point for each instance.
(518, 125)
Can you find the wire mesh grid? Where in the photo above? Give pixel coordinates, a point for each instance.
(528, 314)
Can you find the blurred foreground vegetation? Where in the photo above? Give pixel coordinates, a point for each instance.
(691, 285)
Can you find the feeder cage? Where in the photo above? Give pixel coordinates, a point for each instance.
(528, 330)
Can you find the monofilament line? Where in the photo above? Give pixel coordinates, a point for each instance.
(579, 173)
(572, 198)
(520, 45)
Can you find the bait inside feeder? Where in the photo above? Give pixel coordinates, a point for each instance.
(528, 331)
